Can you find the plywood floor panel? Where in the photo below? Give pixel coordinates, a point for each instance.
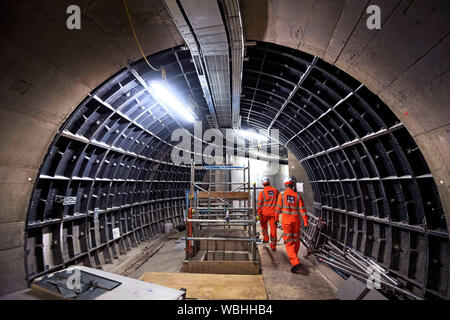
(211, 286)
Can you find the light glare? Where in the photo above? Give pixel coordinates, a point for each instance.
(164, 96)
(253, 135)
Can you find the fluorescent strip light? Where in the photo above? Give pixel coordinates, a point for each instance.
(252, 135)
(164, 96)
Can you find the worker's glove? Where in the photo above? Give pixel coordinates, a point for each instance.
(258, 217)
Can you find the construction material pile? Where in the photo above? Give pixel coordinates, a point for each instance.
(350, 262)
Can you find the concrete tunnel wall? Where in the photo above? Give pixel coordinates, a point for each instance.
(47, 70)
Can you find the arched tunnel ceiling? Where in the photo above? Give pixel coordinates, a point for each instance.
(405, 63)
(111, 161)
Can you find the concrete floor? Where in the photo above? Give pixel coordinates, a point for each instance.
(168, 259)
(280, 283)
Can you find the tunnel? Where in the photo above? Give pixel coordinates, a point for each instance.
(362, 116)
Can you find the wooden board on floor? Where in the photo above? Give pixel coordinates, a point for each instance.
(211, 286)
(221, 194)
(222, 267)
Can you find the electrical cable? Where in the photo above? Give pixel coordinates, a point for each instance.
(163, 72)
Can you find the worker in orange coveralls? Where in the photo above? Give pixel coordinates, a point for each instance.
(267, 201)
(290, 205)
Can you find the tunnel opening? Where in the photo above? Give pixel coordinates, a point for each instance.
(107, 182)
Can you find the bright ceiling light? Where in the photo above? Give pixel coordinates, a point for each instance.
(252, 135)
(164, 96)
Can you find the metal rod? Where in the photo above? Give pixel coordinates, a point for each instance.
(220, 167)
(361, 278)
(198, 187)
(221, 183)
(348, 267)
(370, 263)
(220, 220)
(223, 209)
(233, 225)
(217, 238)
(238, 187)
(221, 217)
(187, 206)
(336, 248)
(337, 257)
(221, 212)
(254, 216)
(357, 262)
(362, 262)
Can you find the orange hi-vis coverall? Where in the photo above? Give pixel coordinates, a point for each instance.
(267, 200)
(290, 205)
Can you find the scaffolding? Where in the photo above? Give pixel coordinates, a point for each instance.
(219, 212)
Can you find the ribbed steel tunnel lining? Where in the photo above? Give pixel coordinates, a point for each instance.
(371, 182)
(113, 154)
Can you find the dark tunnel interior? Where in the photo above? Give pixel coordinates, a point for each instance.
(370, 180)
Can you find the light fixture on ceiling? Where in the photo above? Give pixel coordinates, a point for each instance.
(164, 96)
(252, 135)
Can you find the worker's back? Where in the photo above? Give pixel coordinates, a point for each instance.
(267, 200)
(290, 205)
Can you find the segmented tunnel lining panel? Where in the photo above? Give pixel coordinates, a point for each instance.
(113, 157)
(371, 182)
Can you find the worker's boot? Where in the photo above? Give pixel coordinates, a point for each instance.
(299, 269)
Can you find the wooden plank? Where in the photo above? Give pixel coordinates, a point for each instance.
(222, 267)
(52, 294)
(211, 286)
(222, 195)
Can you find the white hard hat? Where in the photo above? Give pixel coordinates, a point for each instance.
(288, 180)
(265, 180)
